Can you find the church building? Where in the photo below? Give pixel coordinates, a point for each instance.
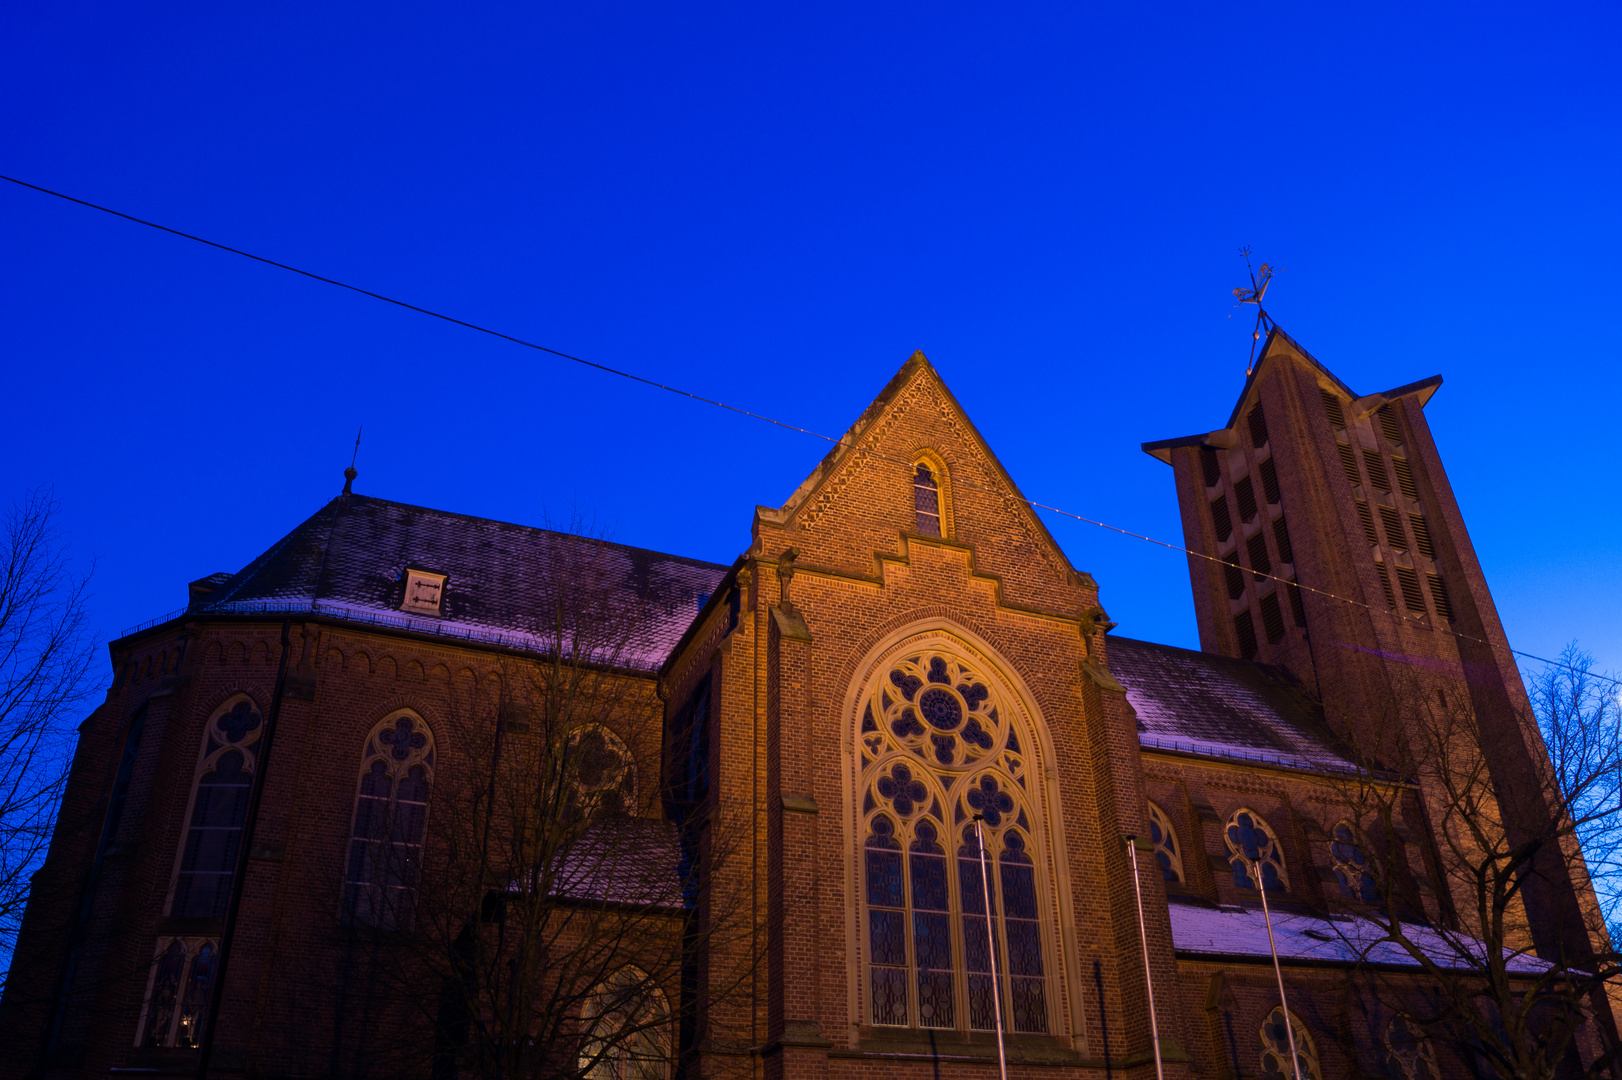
(907, 708)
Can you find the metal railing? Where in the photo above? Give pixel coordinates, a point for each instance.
(1234, 753)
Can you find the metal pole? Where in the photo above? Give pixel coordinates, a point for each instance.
(1148, 979)
(991, 944)
(1289, 1027)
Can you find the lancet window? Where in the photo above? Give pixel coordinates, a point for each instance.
(391, 817)
(1253, 852)
(926, 495)
(946, 787)
(1164, 839)
(1276, 1049)
(178, 992)
(218, 809)
(1351, 866)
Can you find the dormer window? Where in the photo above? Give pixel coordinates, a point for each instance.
(424, 592)
(926, 496)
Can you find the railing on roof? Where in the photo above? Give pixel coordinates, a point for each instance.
(517, 642)
(1233, 753)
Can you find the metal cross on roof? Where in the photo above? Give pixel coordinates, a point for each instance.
(1259, 280)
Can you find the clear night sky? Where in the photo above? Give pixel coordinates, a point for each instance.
(776, 209)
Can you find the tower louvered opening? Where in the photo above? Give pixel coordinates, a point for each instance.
(1258, 427)
(1408, 578)
(1422, 535)
(1221, 518)
(1348, 461)
(1245, 629)
(1257, 547)
(1376, 467)
(1211, 466)
(1405, 478)
(1385, 585)
(1393, 529)
(1245, 492)
(1337, 416)
(1389, 424)
(1235, 575)
(1269, 481)
(1281, 540)
(1439, 597)
(1367, 518)
(1272, 618)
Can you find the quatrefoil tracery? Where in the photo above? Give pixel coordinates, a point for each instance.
(936, 707)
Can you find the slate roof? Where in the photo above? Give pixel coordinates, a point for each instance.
(1198, 930)
(1202, 703)
(348, 560)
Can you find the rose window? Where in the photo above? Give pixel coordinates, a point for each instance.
(940, 709)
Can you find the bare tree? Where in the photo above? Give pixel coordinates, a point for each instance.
(564, 920)
(45, 659)
(1457, 871)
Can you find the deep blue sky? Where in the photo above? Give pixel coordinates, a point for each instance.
(776, 207)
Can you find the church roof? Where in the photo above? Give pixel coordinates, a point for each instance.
(1216, 706)
(348, 561)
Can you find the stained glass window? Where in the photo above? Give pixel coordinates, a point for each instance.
(939, 751)
(1276, 1049)
(177, 996)
(1167, 853)
(1351, 865)
(926, 497)
(1253, 851)
(391, 817)
(602, 778)
(219, 807)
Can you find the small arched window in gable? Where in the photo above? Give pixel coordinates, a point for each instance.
(926, 497)
(1164, 838)
(1276, 1049)
(1253, 852)
(391, 817)
(1351, 866)
(219, 806)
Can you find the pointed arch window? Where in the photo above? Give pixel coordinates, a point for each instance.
(1351, 866)
(391, 818)
(219, 808)
(627, 1034)
(1253, 852)
(938, 751)
(926, 499)
(178, 992)
(1276, 1049)
(1164, 838)
(1408, 1054)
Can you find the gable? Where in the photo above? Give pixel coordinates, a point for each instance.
(857, 505)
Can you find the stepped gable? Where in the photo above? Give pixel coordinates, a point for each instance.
(349, 558)
(1218, 706)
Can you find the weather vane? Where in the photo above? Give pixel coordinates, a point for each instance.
(1254, 295)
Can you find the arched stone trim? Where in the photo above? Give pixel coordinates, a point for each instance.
(382, 862)
(1017, 764)
(1252, 843)
(1168, 851)
(942, 477)
(626, 1029)
(216, 808)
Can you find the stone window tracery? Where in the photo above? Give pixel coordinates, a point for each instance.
(1164, 838)
(602, 777)
(178, 993)
(937, 751)
(1351, 866)
(219, 807)
(1408, 1054)
(391, 817)
(1276, 1049)
(1254, 850)
(627, 1036)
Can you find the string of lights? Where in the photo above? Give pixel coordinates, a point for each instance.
(1415, 620)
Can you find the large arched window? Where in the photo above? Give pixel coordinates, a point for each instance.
(391, 817)
(627, 1030)
(218, 809)
(1253, 852)
(939, 751)
(1164, 838)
